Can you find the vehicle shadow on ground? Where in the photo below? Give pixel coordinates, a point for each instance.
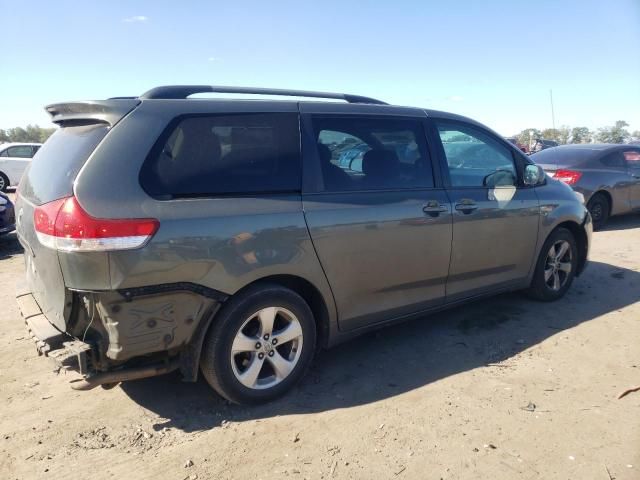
(9, 246)
(404, 357)
(622, 222)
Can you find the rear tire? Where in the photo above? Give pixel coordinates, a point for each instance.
(4, 182)
(555, 268)
(599, 208)
(260, 344)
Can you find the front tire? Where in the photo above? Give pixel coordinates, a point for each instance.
(599, 209)
(555, 268)
(260, 345)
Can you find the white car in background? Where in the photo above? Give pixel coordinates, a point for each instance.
(14, 159)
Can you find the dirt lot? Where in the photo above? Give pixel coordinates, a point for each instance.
(502, 389)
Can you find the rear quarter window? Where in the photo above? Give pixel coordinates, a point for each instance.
(230, 154)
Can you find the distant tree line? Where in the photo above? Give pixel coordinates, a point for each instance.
(612, 134)
(617, 133)
(30, 134)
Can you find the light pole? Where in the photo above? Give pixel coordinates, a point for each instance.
(553, 116)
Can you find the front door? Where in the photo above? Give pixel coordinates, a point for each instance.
(381, 228)
(495, 217)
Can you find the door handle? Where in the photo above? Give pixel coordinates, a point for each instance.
(466, 206)
(433, 208)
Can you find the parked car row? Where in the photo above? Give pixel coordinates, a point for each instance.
(608, 176)
(538, 145)
(524, 148)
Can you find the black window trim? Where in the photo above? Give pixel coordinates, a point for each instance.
(516, 154)
(313, 182)
(158, 145)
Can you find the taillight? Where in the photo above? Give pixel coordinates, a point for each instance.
(570, 177)
(64, 225)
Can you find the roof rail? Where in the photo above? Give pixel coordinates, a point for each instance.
(183, 91)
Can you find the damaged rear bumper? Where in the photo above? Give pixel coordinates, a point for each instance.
(130, 334)
(65, 351)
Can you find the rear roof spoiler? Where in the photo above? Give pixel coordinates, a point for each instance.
(95, 111)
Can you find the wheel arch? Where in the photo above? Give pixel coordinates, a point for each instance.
(582, 242)
(190, 356)
(606, 194)
(309, 292)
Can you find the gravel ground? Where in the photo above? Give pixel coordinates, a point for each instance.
(505, 388)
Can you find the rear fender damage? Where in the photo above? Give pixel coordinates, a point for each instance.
(136, 333)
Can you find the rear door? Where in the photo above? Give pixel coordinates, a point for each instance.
(495, 218)
(378, 217)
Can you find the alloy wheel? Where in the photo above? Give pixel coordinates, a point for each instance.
(266, 348)
(558, 265)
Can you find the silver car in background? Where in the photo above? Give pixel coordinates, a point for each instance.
(607, 175)
(14, 160)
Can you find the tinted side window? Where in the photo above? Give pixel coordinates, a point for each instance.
(22, 151)
(475, 158)
(614, 159)
(368, 153)
(225, 154)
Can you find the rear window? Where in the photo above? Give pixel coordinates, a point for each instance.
(563, 156)
(225, 155)
(54, 167)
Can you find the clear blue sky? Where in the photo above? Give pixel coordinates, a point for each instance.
(493, 60)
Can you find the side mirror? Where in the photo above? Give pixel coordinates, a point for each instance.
(533, 175)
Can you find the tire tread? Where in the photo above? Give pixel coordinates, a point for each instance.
(214, 344)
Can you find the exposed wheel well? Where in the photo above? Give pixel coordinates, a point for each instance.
(310, 294)
(581, 242)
